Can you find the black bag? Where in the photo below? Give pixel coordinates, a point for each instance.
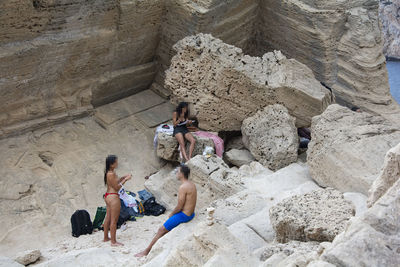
(125, 214)
(151, 207)
(81, 223)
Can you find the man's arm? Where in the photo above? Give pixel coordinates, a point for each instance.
(181, 201)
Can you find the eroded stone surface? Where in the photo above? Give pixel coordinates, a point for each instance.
(226, 86)
(348, 148)
(167, 146)
(389, 175)
(389, 15)
(316, 216)
(271, 136)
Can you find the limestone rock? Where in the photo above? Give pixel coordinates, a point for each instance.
(167, 146)
(347, 149)
(372, 239)
(341, 41)
(239, 157)
(226, 86)
(253, 169)
(359, 201)
(316, 216)
(271, 137)
(389, 15)
(28, 257)
(290, 248)
(7, 262)
(212, 177)
(389, 175)
(234, 143)
(211, 246)
(65, 56)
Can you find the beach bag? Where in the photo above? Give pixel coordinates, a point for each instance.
(129, 200)
(151, 207)
(123, 216)
(81, 223)
(99, 217)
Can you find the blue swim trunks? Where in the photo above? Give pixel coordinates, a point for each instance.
(176, 220)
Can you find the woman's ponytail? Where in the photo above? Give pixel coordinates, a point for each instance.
(110, 160)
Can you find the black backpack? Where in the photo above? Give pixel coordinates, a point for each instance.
(151, 207)
(81, 223)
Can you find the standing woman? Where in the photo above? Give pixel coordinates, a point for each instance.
(111, 198)
(181, 132)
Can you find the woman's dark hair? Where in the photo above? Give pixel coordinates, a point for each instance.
(110, 160)
(179, 108)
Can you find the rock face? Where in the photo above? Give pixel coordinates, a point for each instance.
(271, 136)
(316, 216)
(390, 17)
(341, 41)
(211, 246)
(239, 157)
(28, 257)
(167, 146)
(226, 86)
(347, 149)
(212, 177)
(372, 239)
(389, 175)
(58, 58)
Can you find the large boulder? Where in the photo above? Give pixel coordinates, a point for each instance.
(211, 246)
(167, 146)
(226, 86)
(372, 239)
(239, 157)
(348, 148)
(271, 136)
(316, 216)
(213, 179)
(389, 175)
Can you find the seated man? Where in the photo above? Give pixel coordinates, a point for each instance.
(184, 210)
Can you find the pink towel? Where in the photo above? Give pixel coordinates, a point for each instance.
(218, 142)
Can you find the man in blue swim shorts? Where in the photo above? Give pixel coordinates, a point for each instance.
(184, 210)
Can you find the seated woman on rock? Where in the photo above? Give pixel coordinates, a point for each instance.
(181, 132)
(111, 198)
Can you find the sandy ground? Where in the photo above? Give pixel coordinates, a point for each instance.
(48, 174)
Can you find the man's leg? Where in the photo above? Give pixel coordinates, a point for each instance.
(160, 233)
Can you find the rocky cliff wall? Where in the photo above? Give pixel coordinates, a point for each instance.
(389, 13)
(232, 21)
(60, 57)
(341, 41)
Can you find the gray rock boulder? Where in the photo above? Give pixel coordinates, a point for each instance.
(226, 86)
(28, 257)
(372, 239)
(348, 148)
(316, 216)
(389, 175)
(271, 136)
(239, 157)
(167, 146)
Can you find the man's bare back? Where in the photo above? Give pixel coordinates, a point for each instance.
(190, 195)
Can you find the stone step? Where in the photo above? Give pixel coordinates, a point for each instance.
(145, 100)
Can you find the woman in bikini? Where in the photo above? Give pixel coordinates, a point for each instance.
(112, 198)
(181, 132)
